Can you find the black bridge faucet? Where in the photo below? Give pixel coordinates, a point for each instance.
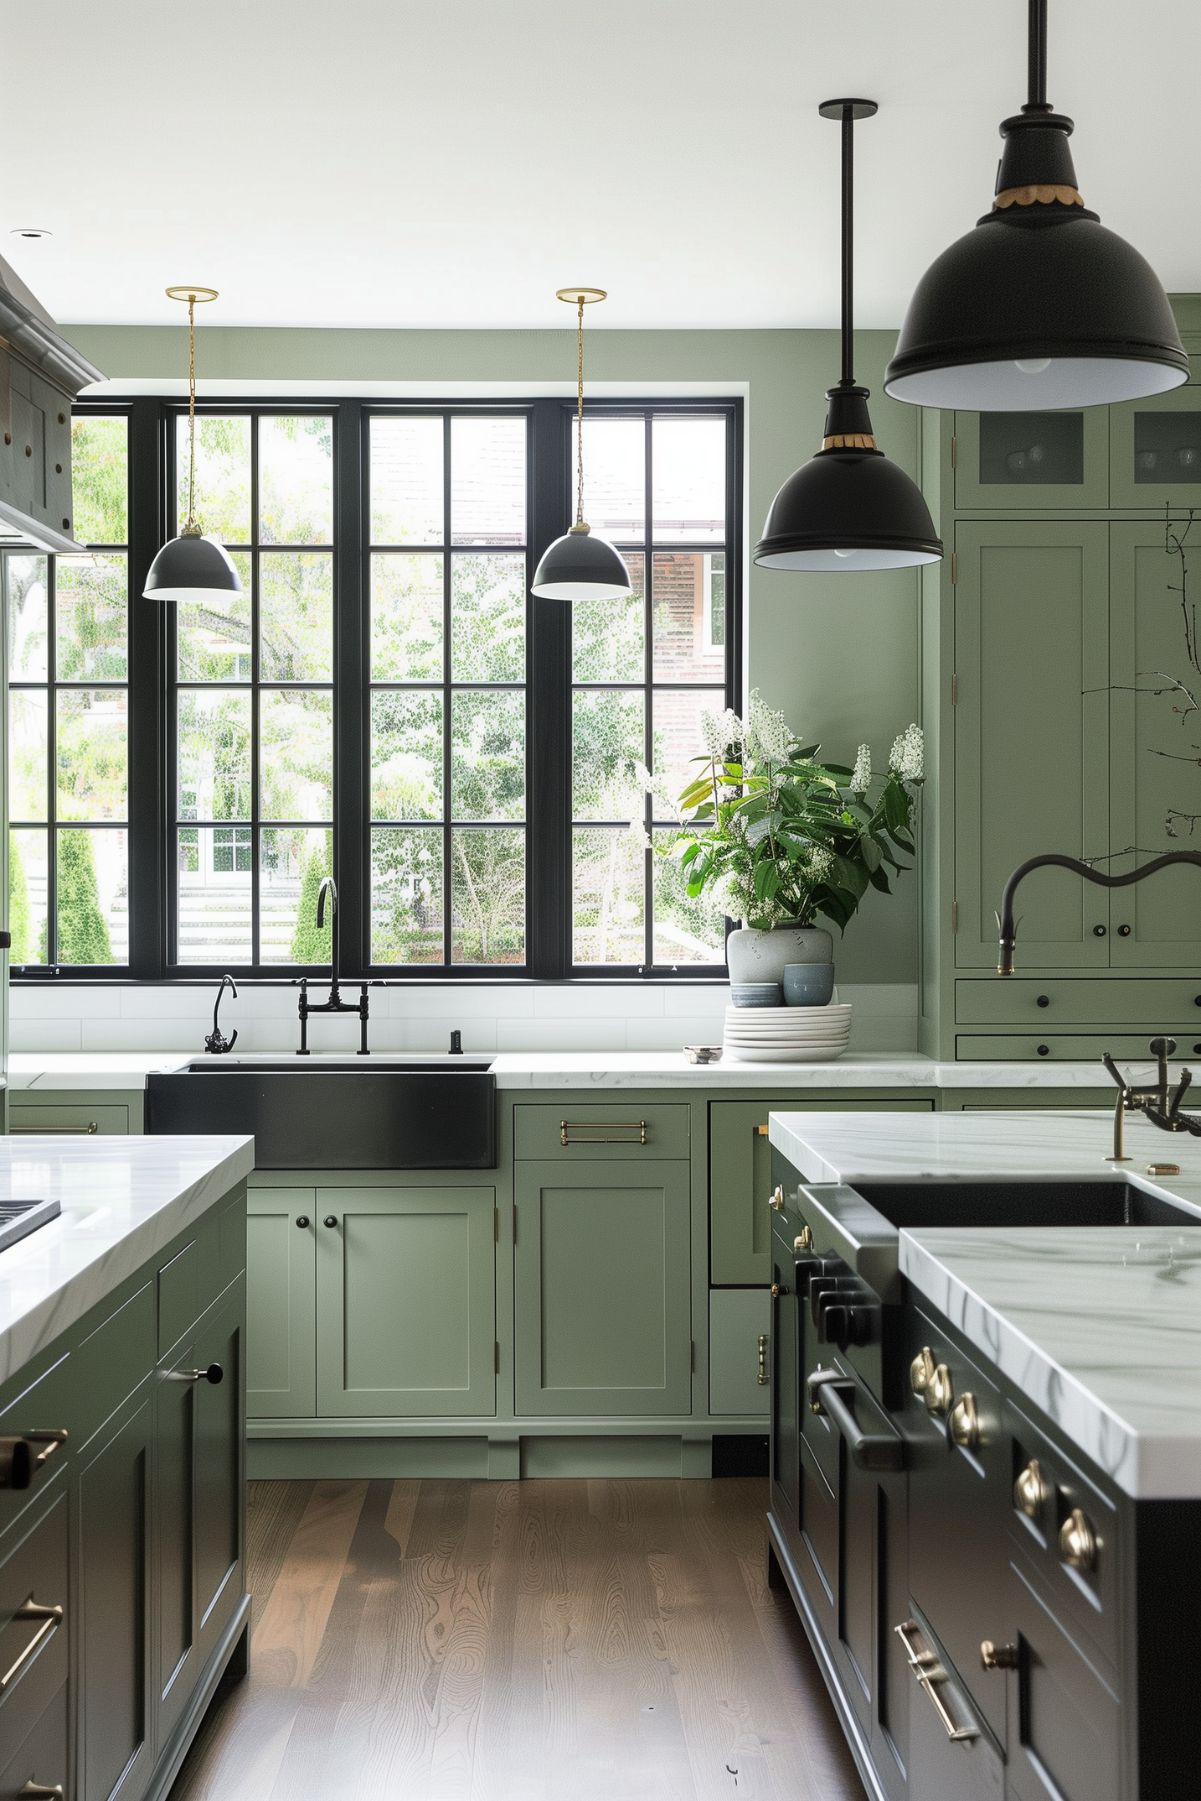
(334, 1002)
(1006, 926)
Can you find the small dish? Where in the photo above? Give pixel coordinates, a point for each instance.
(756, 994)
(703, 1053)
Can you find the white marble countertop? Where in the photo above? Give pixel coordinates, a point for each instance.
(1100, 1327)
(127, 1070)
(123, 1200)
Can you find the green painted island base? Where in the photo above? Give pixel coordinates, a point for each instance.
(501, 1451)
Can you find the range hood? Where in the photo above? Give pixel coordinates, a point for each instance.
(40, 375)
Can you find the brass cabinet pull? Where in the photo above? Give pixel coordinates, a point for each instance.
(51, 1619)
(940, 1390)
(88, 1131)
(804, 1239)
(1030, 1490)
(600, 1126)
(929, 1673)
(776, 1199)
(1078, 1541)
(776, 1290)
(44, 1791)
(921, 1370)
(965, 1422)
(998, 1657)
(762, 1376)
(18, 1465)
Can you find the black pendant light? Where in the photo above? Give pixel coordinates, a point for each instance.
(848, 507)
(1040, 306)
(191, 567)
(579, 565)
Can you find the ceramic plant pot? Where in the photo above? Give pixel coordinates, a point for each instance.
(756, 956)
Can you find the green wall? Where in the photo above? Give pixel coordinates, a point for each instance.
(837, 653)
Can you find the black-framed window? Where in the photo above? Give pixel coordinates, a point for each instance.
(384, 701)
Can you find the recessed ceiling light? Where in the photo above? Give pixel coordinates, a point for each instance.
(30, 231)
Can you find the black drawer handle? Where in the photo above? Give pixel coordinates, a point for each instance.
(1044, 1000)
(882, 1450)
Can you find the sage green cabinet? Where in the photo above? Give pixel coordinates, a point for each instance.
(406, 1310)
(1031, 734)
(1155, 449)
(601, 1287)
(1046, 461)
(67, 1118)
(113, 1533)
(1156, 726)
(281, 1303)
(739, 1349)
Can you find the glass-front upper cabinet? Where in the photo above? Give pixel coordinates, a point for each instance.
(1032, 460)
(1155, 448)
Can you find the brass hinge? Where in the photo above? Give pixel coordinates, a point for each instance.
(954, 689)
(954, 915)
(762, 1131)
(495, 1357)
(954, 450)
(954, 567)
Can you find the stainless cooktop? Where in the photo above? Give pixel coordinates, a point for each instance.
(18, 1218)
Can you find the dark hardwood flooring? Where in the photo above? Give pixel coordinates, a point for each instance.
(518, 1641)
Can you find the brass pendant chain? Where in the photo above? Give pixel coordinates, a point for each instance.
(190, 528)
(579, 471)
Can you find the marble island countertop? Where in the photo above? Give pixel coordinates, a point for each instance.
(127, 1070)
(123, 1200)
(1100, 1327)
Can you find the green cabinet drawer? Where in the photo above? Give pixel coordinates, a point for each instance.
(612, 1130)
(281, 1303)
(39, 1765)
(33, 1618)
(1055, 1004)
(1033, 1047)
(601, 1284)
(66, 1120)
(35, 1405)
(739, 1348)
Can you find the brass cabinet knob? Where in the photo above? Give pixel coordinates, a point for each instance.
(940, 1390)
(777, 1289)
(804, 1239)
(921, 1370)
(777, 1199)
(965, 1422)
(1030, 1490)
(998, 1657)
(1078, 1541)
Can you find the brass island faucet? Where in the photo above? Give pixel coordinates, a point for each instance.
(1157, 1104)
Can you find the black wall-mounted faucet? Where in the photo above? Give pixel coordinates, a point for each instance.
(217, 1044)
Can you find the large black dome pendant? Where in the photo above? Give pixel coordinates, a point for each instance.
(848, 508)
(1040, 306)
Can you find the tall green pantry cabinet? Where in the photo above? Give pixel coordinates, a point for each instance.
(1061, 682)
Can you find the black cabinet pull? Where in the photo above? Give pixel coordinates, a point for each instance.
(302, 1220)
(882, 1449)
(1099, 931)
(1044, 1000)
(1044, 1050)
(1123, 931)
(330, 1220)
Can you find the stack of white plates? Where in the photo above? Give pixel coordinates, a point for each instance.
(787, 1034)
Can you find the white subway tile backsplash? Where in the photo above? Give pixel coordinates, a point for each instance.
(45, 1035)
(567, 1001)
(558, 1035)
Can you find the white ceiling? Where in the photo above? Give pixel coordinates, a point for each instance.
(452, 162)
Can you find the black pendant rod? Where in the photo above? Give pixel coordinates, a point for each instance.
(848, 246)
(1037, 75)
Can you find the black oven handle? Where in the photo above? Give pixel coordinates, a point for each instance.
(883, 1448)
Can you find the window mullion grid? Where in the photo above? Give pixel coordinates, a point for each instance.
(648, 674)
(447, 693)
(52, 761)
(256, 673)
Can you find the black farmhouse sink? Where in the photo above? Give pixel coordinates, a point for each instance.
(439, 1114)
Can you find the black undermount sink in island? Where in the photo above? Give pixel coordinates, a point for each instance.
(436, 1113)
(1009, 1205)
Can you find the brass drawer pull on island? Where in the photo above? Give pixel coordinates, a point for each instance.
(803, 1240)
(19, 1464)
(51, 1619)
(1030, 1491)
(761, 1377)
(1078, 1541)
(86, 1131)
(965, 1422)
(921, 1370)
(940, 1390)
(41, 1791)
(599, 1127)
(998, 1657)
(929, 1673)
(775, 1199)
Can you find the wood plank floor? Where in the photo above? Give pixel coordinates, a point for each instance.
(518, 1641)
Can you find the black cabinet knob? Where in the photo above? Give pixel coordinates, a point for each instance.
(330, 1220)
(1044, 1000)
(1044, 1050)
(302, 1220)
(1099, 931)
(214, 1374)
(1197, 1000)
(1123, 931)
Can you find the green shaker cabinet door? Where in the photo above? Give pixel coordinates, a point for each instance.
(406, 1301)
(281, 1303)
(1156, 449)
(603, 1314)
(218, 1494)
(1034, 462)
(1156, 786)
(113, 1534)
(1031, 735)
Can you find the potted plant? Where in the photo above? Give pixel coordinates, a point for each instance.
(781, 839)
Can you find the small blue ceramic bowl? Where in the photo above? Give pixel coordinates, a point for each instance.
(756, 994)
(808, 984)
